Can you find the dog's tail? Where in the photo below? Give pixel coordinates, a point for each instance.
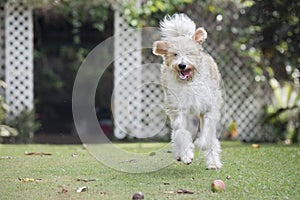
(177, 25)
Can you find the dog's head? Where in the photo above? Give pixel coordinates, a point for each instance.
(181, 53)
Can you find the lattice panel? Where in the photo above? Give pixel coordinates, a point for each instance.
(127, 79)
(2, 42)
(153, 115)
(244, 97)
(138, 97)
(18, 56)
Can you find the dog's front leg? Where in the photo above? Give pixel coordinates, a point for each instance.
(182, 141)
(209, 143)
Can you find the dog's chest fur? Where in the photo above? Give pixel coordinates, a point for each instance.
(196, 96)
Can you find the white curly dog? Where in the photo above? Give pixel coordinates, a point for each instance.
(191, 82)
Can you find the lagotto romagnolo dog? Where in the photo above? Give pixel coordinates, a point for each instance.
(191, 84)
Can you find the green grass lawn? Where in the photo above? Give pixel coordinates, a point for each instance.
(269, 172)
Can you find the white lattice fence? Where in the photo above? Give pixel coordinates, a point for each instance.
(137, 104)
(153, 115)
(244, 96)
(127, 79)
(2, 42)
(18, 56)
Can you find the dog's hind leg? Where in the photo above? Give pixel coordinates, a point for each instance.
(213, 155)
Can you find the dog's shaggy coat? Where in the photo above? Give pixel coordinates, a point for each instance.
(191, 83)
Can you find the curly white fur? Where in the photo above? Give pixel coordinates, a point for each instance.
(177, 25)
(191, 83)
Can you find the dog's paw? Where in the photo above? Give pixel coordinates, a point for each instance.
(187, 156)
(186, 160)
(176, 156)
(214, 166)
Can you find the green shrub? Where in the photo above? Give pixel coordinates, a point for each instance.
(283, 114)
(5, 130)
(26, 124)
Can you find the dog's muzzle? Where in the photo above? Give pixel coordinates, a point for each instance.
(184, 73)
(181, 66)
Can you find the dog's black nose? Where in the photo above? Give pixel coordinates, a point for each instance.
(181, 66)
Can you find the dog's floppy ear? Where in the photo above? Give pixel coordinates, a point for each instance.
(200, 35)
(160, 48)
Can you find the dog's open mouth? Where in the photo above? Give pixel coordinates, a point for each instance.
(184, 74)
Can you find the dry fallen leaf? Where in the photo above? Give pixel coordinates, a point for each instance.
(130, 161)
(28, 179)
(86, 180)
(37, 154)
(82, 189)
(180, 191)
(183, 191)
(63, 190)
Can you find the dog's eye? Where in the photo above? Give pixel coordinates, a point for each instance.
(175, 54)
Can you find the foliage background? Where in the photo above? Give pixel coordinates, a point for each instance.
(266, 33)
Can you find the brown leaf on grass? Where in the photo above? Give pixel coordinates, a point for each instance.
(86, 180)
(63, 190)
(29, 179)
(180, 191)
(37, 154)
(184, 191)
(130, 161)
(82, 189)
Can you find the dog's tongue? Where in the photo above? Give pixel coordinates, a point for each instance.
(184, 74)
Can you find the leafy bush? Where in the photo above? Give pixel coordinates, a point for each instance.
(270, 36)
(150, 12)
(283, 114)
(26, 124)
(5, 130)
(20, 129)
